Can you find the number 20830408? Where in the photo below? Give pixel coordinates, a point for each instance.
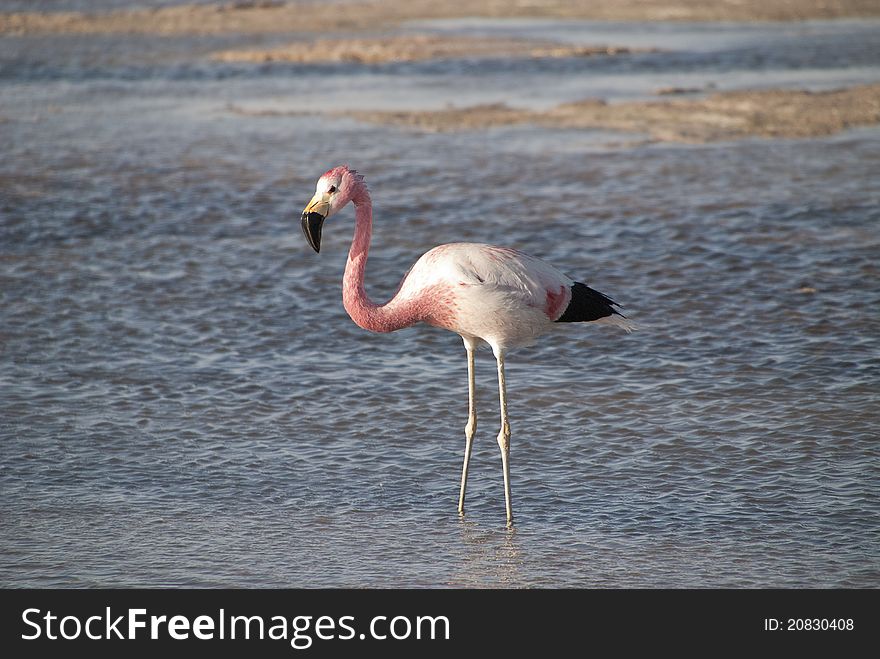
(808, 624)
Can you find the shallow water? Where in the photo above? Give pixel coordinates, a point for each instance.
(183, 400)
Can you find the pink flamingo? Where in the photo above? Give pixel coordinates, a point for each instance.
(486, 294)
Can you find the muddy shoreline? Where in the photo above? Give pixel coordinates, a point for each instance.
(412, 48)
(723, 116)
(368, 32)
(267, 17)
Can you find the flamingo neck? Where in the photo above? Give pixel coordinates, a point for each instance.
(393, 315)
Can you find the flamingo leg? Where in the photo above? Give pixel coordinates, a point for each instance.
(504, 435)
(471, 426)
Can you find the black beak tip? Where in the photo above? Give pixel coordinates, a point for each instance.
(311, 226)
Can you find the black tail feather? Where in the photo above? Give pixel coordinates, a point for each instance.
(587, 304)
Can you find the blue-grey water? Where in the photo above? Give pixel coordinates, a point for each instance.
(184, 401)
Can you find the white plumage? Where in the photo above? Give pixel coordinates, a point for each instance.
(501, 293)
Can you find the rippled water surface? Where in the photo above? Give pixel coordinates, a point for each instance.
(184, 401)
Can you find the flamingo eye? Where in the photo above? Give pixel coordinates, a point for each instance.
(331, 189)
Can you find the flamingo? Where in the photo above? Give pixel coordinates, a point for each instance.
(487, 294)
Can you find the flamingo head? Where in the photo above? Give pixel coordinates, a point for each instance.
(335, 189)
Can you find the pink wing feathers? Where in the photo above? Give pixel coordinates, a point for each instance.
(526, 278)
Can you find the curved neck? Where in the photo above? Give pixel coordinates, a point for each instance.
(393, 315)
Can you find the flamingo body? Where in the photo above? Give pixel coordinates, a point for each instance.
(495, 294)
(485, 293)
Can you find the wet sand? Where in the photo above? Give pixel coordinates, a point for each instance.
(364, 33)
(411, 48)
(270, 16)
(718, 117)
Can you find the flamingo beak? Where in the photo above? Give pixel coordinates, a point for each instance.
(313, 219)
